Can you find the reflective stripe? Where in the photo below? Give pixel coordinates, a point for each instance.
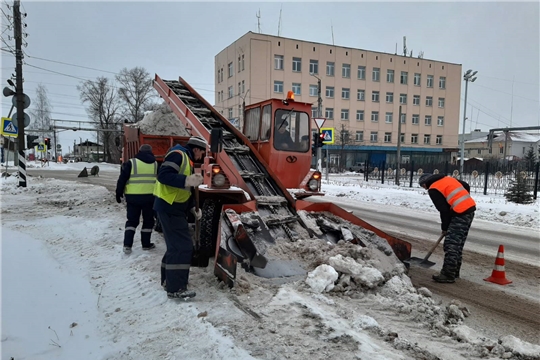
(146, 230)
(458, 201)
(142, 178)
(451, 195)
(173, 165)
(455, 194)
(177, 266)
(171, 194)
(130, 228)
(162, 264)
(499, 267)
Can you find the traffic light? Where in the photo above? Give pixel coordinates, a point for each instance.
(321, 139)
(48, 143)
(30, 139)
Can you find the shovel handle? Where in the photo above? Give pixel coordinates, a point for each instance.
(197, 221)
(434, 247)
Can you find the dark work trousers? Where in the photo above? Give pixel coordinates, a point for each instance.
(455, 241)
(177, 259)
(134, 210)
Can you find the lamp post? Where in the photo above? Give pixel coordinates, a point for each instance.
(319, 114)
(468, 76)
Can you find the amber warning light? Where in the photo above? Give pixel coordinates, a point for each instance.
(290, 95)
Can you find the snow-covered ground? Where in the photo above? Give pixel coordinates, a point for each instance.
(68, 291)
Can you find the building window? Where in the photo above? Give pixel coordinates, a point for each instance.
(329, 91)
(329, 113)
(219, 99)
(359, 136)
(239, 87)
(374, 116)
(501, 150)
(376, 74)
(231, 92)
(297, 88)
(438, 140)
(230, 110)
(389, 97)
(346, 71)
(361, 73)
(359, 115)
(243, 86)
(330, 68)
(219, 76)
(345, 93)
(442, 82)
(427, 120)
(222, 72)
(361, 95)
(313, 90)
(404, 76)
(278, 62)
(479, 150)
(417, 81)
(296, 64)
(239, 63)
(243, 63)
(389, 117)
(403, 118)
(441, 103)
(414, 138)
(375, 96)
(345, 114)
(230, 69)
(278, 86)
(416, 100)
(373, 137)
(427, 139)
(430, 81)
(429, 101)
(415, 119)
(314, 112)
(387, 137)
(313, 66)
(403, 99)
(390, 76)
(402, 138)
(440, 121)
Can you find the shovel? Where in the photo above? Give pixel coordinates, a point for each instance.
(425, 263)
(198, 259)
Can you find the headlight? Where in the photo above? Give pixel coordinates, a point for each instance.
(313, 184)
(219, 180)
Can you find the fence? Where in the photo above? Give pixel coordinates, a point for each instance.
(488, 178)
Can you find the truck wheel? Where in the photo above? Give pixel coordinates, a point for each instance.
(209, 226)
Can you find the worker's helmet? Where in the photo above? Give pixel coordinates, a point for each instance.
(423, 178)
(198, 142)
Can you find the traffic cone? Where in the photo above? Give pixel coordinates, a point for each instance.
(498, 276)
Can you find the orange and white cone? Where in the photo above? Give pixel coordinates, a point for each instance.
(498, 276)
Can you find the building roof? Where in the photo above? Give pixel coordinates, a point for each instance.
(514, 136)
(348, 47)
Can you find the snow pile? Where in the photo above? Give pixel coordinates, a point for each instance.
(162, 121)
(322, 278)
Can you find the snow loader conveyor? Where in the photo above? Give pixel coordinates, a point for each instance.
(251, 211)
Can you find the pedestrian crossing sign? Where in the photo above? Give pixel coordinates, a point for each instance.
(8, 127)
(328, 135)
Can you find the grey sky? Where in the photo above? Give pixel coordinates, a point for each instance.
(500, 40)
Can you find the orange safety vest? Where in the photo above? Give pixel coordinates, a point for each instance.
(457, 197)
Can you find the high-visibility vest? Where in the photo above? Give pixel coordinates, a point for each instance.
(142, 178)
(172, 194)
(457, 197)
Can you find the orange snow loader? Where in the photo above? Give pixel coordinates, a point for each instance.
(246, 206)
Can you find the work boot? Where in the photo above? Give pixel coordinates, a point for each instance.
(127, 250)
(181, 294)
(443, 278)
(164, 285)
(149, 247)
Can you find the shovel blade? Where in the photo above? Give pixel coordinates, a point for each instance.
(425, 263)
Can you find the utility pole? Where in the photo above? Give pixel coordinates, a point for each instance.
(398, 151)
(319, 113)
(19, 91)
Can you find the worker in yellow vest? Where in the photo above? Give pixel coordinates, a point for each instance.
(137, 180)
(173, 201)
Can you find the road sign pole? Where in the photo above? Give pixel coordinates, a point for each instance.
(19, 90)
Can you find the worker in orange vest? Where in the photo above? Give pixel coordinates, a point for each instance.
(453, 200)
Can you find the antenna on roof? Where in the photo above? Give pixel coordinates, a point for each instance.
(421, 55)
(258, 15)
(404, 46)
(279, 24)
(332, 29)
(396, 50)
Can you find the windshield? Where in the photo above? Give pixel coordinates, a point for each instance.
(291, 131)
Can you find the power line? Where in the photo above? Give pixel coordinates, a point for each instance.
(56, 72)
(507, 93)
(64, 63)
(522, 82)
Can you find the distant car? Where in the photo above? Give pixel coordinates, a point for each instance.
(360, 167)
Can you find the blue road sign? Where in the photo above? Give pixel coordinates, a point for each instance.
(328, 135)
(8, 127)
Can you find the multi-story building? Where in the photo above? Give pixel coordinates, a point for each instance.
(361, 90)
(517, 144)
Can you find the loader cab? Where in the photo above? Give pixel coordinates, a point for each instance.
(280, 131)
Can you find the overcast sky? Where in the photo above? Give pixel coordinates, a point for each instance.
(499, 40)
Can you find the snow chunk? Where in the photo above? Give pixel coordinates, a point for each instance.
(365, 322)
(523, 348)
(397, 286)
(322, 278)
(163, 121)
(363, 275)
(465, 333)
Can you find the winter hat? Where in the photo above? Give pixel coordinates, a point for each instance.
(145, 147)
(198, 142)
(423, 178)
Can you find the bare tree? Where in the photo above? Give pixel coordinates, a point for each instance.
(41, 109)
(343, 139)
(136, 92)
(103, 107)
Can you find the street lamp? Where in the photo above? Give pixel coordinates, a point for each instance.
(468, 76)
(319, 114)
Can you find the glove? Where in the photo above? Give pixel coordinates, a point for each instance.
(194, 180)
(197, 214)
(119, 198)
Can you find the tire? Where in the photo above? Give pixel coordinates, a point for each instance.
(209, 226)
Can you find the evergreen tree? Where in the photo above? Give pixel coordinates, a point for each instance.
(530, 158)
(519, 191)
